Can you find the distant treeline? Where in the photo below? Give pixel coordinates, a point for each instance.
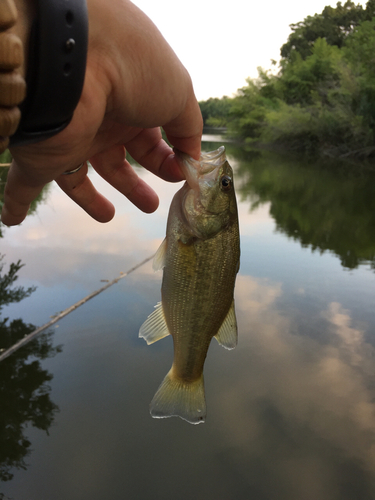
(322, 98)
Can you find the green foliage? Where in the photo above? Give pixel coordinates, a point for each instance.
(359, 48)
(306, 80)
(249, 107)
(215, 111)
(316, 128)
(333, 24)
(323, 98)
(5, 157)
(359, 51)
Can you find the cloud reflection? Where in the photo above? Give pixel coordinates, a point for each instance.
(65, 244)
(303, 406)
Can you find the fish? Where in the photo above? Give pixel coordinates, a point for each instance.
(200, 258)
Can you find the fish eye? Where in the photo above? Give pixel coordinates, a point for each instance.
(226, 182)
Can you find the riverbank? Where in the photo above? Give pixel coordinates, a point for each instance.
(321, 100)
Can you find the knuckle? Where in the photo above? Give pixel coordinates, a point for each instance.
(8, 13)
(11, 51)
(12, 89)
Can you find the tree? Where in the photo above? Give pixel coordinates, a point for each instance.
(215, 111)
(323, 98)
(304, 80)
(333, 24)
(250, 105)
(359, 51)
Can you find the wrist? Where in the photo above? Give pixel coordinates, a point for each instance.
(55, 34)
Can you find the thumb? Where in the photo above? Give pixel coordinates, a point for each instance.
(185, 131)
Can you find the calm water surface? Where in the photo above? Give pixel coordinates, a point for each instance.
(291, 411)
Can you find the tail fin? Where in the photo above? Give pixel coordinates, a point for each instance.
(176, 398)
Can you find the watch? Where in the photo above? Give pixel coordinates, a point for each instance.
(56, 65)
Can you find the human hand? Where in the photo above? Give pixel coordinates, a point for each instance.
(12, 84)
(134, 84)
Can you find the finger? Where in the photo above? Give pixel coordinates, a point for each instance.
(18, 194)
(12, 89)
(81, 190)
(185, 131)
(153, 153)
(9, 120)
(8, 13)
(117, 171)
(11, 51)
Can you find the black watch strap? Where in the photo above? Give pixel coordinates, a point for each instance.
(56, 69)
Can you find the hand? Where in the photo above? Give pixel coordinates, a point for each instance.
(12, 84)
(134, 84)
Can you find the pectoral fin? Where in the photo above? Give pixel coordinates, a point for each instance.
(159, 258)
(155, 327)
(227, 335)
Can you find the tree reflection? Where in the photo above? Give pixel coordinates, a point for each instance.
(24, 389)
(327, 207)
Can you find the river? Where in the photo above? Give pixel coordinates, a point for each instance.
(290, 411)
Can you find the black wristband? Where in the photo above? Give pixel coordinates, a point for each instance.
(56, 69)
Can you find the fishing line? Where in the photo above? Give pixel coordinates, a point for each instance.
(62, 314)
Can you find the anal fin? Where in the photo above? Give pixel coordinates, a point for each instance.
(227, 335)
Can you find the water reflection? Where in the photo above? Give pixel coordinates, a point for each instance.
(291, 409)
(304, 409)
(24, 390)
(324, 206)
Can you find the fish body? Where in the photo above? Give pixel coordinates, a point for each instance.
(200, 259)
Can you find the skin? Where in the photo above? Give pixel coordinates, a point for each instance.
(134, 84)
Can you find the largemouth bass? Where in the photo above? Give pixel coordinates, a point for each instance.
(200, 257)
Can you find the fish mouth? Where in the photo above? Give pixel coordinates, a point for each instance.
(207, 164)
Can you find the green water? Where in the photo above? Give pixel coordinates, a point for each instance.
(291, 411)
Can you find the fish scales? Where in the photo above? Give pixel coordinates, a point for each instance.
(200, 260)
(202, 289)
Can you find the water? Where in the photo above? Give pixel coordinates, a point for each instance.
(291, 412)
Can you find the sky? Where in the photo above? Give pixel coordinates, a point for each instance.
(222, 43)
